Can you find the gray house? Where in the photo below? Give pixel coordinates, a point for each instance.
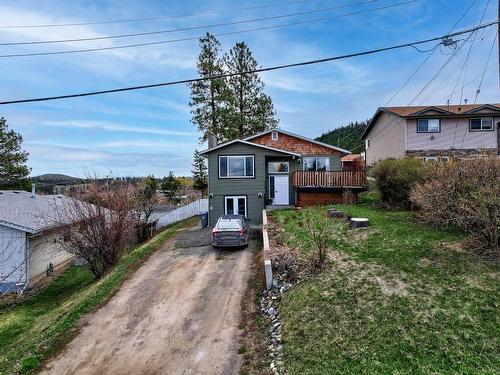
(432, 132)
(274, 168)
(29, 244)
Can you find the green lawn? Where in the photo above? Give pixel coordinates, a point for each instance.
(36, 327)
(397, 298)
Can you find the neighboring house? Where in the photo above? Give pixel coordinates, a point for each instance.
(353, 162)
(29, 244)
(274, 168)
(432, 132)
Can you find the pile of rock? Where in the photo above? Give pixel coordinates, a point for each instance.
(269, 305)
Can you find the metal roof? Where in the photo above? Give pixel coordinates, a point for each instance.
(250, 144)
(20, 210)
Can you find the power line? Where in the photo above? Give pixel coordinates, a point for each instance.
(272, 68)
(154, 18)
(240, 22)
(198, 37)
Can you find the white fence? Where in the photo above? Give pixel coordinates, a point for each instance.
(182, 213)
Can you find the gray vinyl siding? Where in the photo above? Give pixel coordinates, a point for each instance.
(249, 187)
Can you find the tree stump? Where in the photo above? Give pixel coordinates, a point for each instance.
(358, 222)
(333, 212)
(337, 214)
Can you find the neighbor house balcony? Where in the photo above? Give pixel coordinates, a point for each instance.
(329, 179)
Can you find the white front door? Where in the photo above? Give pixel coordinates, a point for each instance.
(281, 192)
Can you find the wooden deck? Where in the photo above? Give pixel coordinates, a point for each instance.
(330, 179)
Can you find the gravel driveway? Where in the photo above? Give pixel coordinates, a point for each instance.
(178, 314)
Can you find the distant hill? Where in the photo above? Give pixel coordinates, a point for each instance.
(346, 137)
(55, 178)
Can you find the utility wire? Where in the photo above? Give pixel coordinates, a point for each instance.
(239, 22)
(208, 12)
(271, 68)
(198, 37)
(429, 56)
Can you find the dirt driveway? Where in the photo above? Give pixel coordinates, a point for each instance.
(178, 314)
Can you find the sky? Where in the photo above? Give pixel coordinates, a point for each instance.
(144, 132)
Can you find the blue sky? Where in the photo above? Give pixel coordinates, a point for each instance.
(149, 131)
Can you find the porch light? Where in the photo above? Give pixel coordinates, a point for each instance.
(259, 195)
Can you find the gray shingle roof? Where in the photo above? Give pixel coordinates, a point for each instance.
(19, 210)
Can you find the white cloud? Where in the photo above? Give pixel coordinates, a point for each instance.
(149, 145)
(81, 124)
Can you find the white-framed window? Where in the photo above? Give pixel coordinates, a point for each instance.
(316, 163)
(481, 124)
(428, 125)
(278, 167)
(236, 166)
(235, 205)
(367, 143)
(274, 136)
(430, 158)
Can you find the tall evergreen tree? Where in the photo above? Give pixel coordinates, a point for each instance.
(200, 176)
(170, 186)
(13, 170)
(249, 110)
(208, 96)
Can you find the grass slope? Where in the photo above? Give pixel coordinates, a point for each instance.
(397, 298)
(34, 329)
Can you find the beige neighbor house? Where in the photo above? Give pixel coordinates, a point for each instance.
(30, 246)
(432, 132)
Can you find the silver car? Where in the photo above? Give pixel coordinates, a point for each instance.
(231, 231)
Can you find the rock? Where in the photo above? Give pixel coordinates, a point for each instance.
(271, 311)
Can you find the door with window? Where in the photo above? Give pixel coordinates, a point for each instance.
(278, 190)
(235, 205)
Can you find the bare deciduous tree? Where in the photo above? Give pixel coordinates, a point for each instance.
(97, 225)
(317, 225)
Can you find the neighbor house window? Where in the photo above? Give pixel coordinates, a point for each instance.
(431, 125)
(316, 164)
(481, 124)
(274, 136)
(278, 167)
(367, 143)
(236, 166)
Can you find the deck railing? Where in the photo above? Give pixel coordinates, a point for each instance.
(331, 179)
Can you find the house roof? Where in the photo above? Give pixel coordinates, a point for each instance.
(20, 211)
(351, 157)
(442, 110)
(300, 137)
(207, 151)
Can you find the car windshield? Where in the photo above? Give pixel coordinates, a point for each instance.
(229, 224)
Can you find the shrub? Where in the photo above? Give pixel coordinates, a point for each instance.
(464, 194)
(394, 179)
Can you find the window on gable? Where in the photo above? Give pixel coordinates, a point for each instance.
(481, 124)
(316, 163)
(274, 136)
(431, 125)
(236, 166)
(367, 143)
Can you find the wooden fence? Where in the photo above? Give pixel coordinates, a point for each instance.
(183, 212)
(341, 179)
